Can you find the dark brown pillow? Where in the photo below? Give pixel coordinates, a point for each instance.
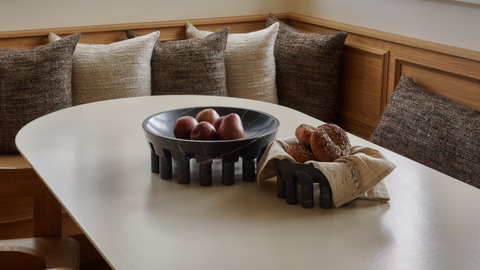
(431, 130)
(33, 82)
(308, 70)
(189, 67)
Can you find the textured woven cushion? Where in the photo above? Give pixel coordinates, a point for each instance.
(431, 130)
(308, 70)
(116, 70)
(33, 82)
(250, 63)
(189, 67)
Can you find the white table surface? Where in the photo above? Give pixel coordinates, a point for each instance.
(96, 160)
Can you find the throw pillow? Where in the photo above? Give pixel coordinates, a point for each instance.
(191, 66)
(33, 82)
(249, 62)
(308, 70)
(109, 71)
(431, 130)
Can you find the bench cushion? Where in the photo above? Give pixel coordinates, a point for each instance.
(189, 67)
(33, 82)
(108, 71)
(431, 130)
(249, 62)
(308, 70)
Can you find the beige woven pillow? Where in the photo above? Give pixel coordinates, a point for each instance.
(249, 63)
(116, 70)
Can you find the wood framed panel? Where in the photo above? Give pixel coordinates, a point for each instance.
(364, 88)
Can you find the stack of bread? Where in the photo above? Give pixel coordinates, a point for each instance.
(324, 143)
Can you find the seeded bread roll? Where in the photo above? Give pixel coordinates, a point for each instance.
(330, 142)
(300, 152)
(303, 133)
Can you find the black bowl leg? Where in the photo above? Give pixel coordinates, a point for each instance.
(292, 190)
(183, 171)
(281, 188)
(326, 197)
(248, 170)
(166, 168)
(154, 162)
(205, 174)
(306, 184)
(228, 173)
(307, 196)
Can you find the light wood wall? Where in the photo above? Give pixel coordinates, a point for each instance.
(373, 62)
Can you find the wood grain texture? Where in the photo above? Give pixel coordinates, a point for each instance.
(47, 216)
(16, 257)
(21, 182)
(363, 84)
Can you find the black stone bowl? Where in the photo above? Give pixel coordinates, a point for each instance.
(260, 130)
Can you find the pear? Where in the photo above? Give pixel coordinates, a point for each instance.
(204, 131)
(183, 127)
(217, 122)
(207, 115)
(231, 128)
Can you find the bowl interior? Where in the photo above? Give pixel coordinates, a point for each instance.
(255, 123)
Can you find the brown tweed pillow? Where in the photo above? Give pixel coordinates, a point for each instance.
(308, 70)
(33, 82)
(189, 67)
(431, 130)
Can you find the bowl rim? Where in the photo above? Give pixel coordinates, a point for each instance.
(145, 121)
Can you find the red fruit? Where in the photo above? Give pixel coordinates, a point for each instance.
(207, 115)
(183, 127)
(217, 122)
(204, 131)
(231, 128)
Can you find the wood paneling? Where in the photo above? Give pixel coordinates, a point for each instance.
(364, 87)
(104, 34)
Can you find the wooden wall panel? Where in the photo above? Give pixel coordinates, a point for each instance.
(363, 86)
(14, 208)
(104, 34)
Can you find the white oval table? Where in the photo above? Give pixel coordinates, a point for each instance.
(96, 161)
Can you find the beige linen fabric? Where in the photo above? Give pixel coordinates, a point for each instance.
(358, 175)
(109, 71)
(249, 63)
